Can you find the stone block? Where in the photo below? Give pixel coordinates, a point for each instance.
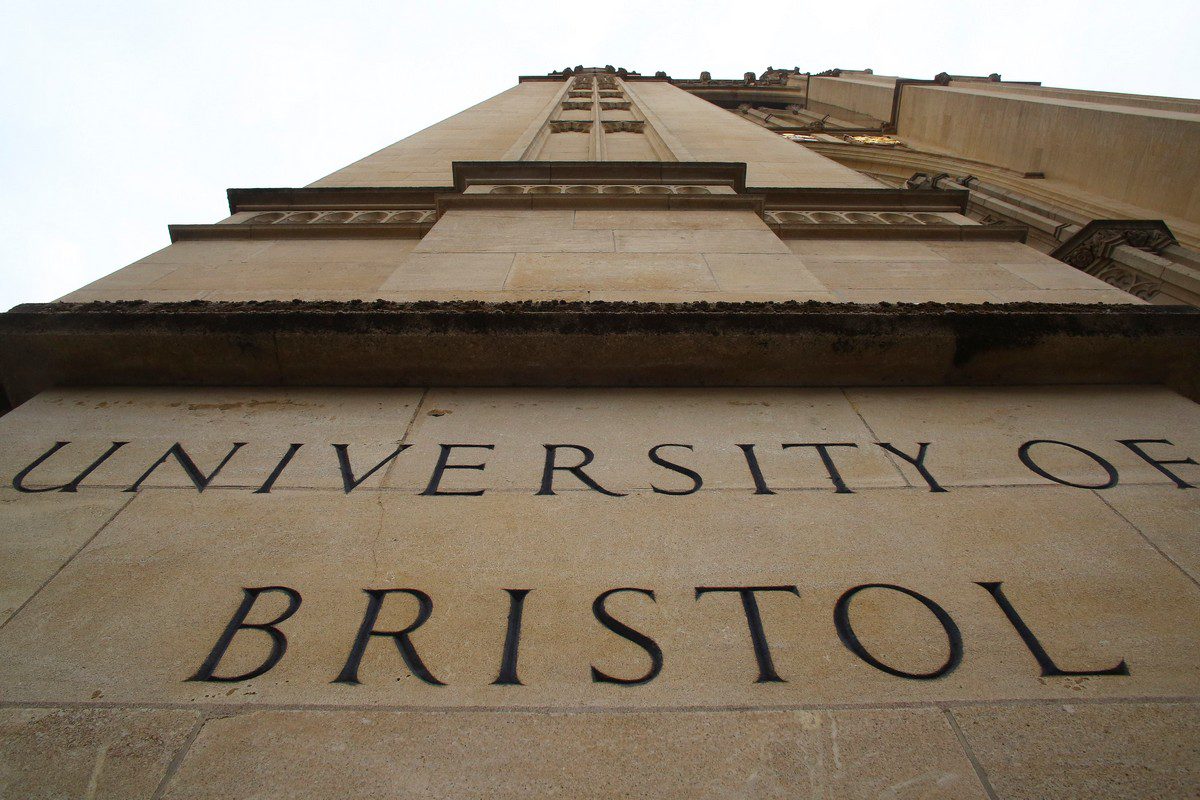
(448, 271)
(41, 534)
(698, 241)
(699, 219)
(121, 754)
(861, 250)
(904, 275)
(977, 433)
(596, 271)
(1083, 750)
(850, 754)
(751, 272)
(1166, 515)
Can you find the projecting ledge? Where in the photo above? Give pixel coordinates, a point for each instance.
(180, 233)
(594, 344)
(632, 200)
(885, 232)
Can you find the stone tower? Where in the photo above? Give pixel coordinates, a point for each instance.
(598, 441)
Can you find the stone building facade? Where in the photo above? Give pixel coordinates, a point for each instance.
(625, 436)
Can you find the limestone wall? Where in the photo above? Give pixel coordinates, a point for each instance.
(864, 94)
(481, 133)
(1146, 157)
(601, 254)
(709, 133)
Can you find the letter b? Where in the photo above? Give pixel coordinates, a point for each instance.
(278, 640)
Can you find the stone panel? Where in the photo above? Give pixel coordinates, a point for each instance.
(849, 754)
(1094, 751)
(978, 432)
(39, 537)
(622, 426)
(1167, 516)
(611, 271)
(121, 754)
(207, 423)
(155, 591)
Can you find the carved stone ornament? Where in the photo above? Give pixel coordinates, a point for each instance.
(570, 126)
(1091, 250)
(625, 126)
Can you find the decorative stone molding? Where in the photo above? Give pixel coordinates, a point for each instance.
(570, 126)
(599, 189)
(406, 217)
(625, 126)
(577, 105)
(1091, 250)
(614, 105)
(854, 218)
(1130, 281)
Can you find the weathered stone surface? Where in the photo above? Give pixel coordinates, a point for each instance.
(850, 754)
(1084, 750)
(621, 428)
(39, 537)
(121, 754)
(981, 431)
(207, 423)
(1167, 516)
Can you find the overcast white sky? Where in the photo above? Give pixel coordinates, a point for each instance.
(121, 117)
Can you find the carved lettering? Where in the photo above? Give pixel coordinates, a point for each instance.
(551, 466)
(918, 462)
(697, 481)
(822, 448)
(207, 671)
(1049, 668)
(198, 478)
(760, 483)
(512, 639)
(1157, 463)
(1027, 460)
(19, 479)
(845, 631)
(433, 488)
(366, 630)
(758, 637)
(349, 482)
(625, 632)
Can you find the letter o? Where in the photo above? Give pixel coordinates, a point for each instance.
(1023, 454)
(841, 621)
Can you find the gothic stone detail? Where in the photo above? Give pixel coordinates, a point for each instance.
(570, 126)
(1092, 248)
(854, 217)
(600, 189)
(625, 126)
(351, 217)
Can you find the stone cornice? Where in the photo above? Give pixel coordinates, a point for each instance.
(330, 198)
(727, 173)
(595, 344)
